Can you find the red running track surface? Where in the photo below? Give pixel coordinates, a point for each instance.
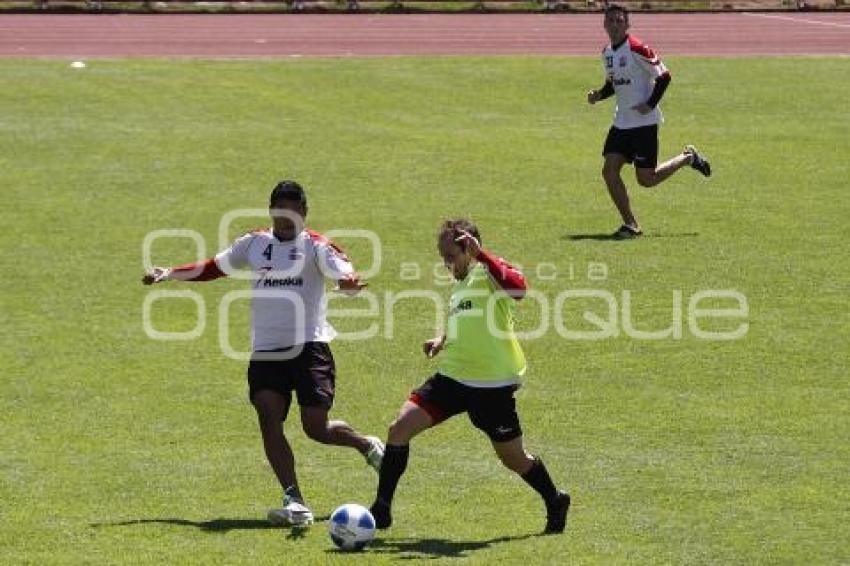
(345, 35)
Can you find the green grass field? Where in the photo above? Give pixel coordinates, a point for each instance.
(116, 448)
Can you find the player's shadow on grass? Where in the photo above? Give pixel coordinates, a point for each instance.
(609, 237)
(411, 549)
(211, 526)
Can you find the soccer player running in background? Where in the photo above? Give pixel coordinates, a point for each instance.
(479, 372)
(638, 77)
(290, 334)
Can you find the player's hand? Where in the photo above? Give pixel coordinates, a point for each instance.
(351, 284)
(468, 242)
(643, 108)
(155, 275)
(433, 346)
(593, 96)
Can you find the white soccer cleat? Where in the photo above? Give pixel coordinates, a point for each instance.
(375, 454)
(293, 514)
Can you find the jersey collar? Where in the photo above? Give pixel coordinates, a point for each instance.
(619, 45)
(299, 236)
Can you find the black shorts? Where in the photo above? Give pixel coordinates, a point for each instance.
(638, 145)
(311, 373)
(491, 409)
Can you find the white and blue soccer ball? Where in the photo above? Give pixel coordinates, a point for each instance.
(351, 526)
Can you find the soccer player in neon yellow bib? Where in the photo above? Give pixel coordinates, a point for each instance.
(479, 372)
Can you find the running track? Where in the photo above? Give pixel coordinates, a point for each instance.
(344, 35)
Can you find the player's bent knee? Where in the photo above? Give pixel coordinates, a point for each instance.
(647, 179)
(515, 463)
(317, 432)
(399, 432)
(396, 433)
(320, 436)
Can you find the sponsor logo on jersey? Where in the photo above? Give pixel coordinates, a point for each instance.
(284, 282)
(265, 280)
(461, 306)
(295, 254)
(621, 82)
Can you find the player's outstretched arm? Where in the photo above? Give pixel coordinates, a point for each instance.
(351, 284)
(155, 275)
(433, 346)
(206, 270)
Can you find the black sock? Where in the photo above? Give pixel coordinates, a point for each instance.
(538, 478)
(392, 468)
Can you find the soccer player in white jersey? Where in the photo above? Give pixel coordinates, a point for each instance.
(637, 76)
(288, 265)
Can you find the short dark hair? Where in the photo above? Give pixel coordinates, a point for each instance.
(616, 8)
(288, 190)
(453, 228)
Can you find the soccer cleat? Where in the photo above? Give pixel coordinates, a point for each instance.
(381, 513)
(293, 514)
(375, 454)
(627, 232)
(556, 514)
(698, 162)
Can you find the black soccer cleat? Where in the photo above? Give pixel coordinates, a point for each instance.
(556, 514)
(382, 515)
(627, 232)
(698, 162)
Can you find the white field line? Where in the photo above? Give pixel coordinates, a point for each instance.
(798, 20)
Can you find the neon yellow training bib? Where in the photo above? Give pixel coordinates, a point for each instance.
(481, 348)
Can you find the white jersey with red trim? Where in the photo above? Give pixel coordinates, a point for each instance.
(632, 69)
(288, 304)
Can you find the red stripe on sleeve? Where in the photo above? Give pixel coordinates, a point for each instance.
(206, 270)
(637, 46)
(320, 238)
(505, 274)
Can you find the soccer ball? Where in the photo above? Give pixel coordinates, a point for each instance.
(351, 526)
